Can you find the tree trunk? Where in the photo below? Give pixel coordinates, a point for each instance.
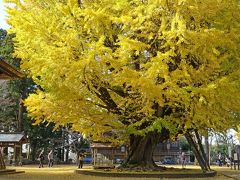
(201, 149)
(33, 151)
(207, 149)
(66, 155)
(20, 115)
(141, 149)
(197, 150)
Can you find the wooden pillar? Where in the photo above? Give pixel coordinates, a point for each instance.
(112, 153)
(238, 161)
(2, 163)
(126, 153)
(14, 154)
(28, 150)
(20, 155)
(94, 157)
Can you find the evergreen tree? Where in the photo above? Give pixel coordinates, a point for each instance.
(13, 115)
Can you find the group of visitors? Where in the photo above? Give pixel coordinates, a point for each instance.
(223, 160)
(80, 157)
(41, 159)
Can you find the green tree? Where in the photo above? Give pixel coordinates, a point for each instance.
(13, 115)
(8, 103)
(41, 137)
(184, 144)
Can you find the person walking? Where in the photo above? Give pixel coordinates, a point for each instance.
(80, 159)
(50, 159)
(41, 158)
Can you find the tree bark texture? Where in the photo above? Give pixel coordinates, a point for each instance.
(202, 151)
(198, 150)
(20, 115)
(141, 149)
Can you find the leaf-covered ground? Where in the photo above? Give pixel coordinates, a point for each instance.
(67, 173)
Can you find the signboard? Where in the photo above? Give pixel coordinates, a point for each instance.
(123, 149)
(5, 144)
(229, 151)
(168, 146)
(235, 157)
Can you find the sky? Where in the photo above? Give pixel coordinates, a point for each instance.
(3, 23)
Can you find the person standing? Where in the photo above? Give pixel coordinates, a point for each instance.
(183, 158)
(41, 158)
(50, 159)
(11, 158)
(219, 159)
(20, 160)
(80, 158)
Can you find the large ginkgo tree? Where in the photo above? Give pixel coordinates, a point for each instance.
(133, 71)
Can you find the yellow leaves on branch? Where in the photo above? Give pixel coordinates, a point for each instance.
(104, 63)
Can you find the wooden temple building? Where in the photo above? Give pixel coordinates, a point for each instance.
(8, 72)
(105, 154)
(14, 141)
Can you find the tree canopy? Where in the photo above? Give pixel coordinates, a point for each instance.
(131, 67)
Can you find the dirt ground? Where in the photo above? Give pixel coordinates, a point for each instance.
(62, 172)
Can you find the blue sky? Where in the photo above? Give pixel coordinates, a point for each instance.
(3, 23)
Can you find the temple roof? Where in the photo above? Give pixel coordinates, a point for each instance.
(8, 72)
(12, 137)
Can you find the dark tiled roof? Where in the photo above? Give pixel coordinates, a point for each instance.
(8, 72)
(14, 137)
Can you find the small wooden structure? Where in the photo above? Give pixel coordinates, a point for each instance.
(15, 141)
(105, 154)
(7, 72)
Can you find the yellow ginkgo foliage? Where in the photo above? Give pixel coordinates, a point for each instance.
(139, 70)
